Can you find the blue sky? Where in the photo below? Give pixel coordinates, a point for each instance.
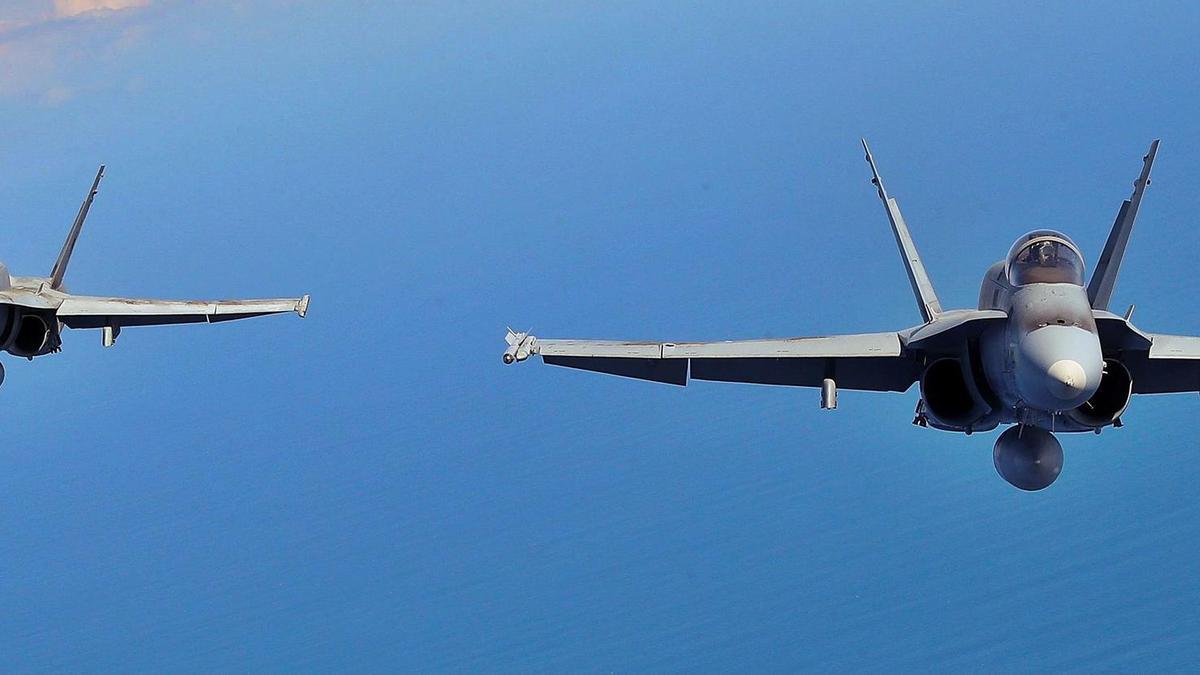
(370, 489)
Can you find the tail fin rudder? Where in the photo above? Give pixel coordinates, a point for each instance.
(927, 300)
(64, 256)
(1104, 278)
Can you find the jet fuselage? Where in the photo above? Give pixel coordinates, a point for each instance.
(1046, 359)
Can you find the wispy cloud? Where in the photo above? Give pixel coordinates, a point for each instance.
(46, 44)
(64, 8)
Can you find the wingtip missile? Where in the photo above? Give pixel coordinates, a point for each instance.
(520, 346)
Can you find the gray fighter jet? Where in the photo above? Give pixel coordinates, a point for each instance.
(34, 310)
(1041, 352)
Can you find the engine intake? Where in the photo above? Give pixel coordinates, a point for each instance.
(32, 336)
(950, 400)
(1110, 399)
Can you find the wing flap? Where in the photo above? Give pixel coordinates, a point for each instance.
(656, 370)
(856, 373)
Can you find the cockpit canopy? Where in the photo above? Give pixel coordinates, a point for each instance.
(1044, 257)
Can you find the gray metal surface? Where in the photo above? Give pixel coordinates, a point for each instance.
(872, 361)
(927, 301)
(1117, 334)
(64, 256)
(867, 344)
(1171, 365)
(828, 394)
(1104, 278)
(79, 311)
(1174, 347)
(952, 328)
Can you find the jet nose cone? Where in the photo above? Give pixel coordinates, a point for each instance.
(1057, 367)
(1068, 379)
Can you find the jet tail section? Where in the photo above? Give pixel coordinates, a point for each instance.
(927, 300)
(64, 256)
(1104, 278)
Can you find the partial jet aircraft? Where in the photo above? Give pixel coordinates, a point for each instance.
(34, 310)
(1041, 352)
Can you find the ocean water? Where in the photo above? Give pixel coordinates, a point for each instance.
(371, 489)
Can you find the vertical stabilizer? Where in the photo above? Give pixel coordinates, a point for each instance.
(1104, 278)
(927, 300)
(64, 256)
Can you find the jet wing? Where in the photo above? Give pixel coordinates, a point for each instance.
(80, 311)
(1158, 364)
(1171, 365)
(867, 362)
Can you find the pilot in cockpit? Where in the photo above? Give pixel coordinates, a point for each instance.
(1045, 258)
(1045, 253)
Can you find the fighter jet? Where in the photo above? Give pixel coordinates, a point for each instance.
(1041, 351)
(34, 310)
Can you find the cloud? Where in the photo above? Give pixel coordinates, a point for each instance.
(65, 8)
(51, 50)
